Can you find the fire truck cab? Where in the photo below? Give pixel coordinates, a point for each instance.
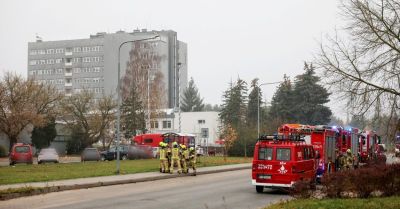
(279, 161)
(368, 141)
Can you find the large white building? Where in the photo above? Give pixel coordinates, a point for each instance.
(92, 63)
(205, 125)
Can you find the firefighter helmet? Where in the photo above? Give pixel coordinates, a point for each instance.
(183, 146)
(191, 148)
(348, 151)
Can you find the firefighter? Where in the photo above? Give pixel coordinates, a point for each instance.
(175, 158)
(192, 159)
(163, 157)
(342, 161)
(185, 159)
(168, 150)
(348, 160)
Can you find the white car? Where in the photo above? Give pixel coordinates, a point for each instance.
(48, 155)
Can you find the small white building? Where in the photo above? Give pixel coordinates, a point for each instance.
(205, 125)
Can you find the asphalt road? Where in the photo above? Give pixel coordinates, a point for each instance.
(221, 190)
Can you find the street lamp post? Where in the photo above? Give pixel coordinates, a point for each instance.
(258, 105)
(119, 96)
(148, 124)
(179, 95)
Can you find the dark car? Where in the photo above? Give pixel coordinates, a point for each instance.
(90, 154)
(140, 152)
(21, 153)
(111, 153)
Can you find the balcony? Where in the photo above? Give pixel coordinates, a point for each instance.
(68, 84)
(68, 64)
(68, 74)
(68, 53)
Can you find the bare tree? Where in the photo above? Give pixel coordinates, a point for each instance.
(230, 135)
(24, 102)
(91, 117)
(144, 73)
(364, 67)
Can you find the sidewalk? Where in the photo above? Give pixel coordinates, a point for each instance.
(70, 184)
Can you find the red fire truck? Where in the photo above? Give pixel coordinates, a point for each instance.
(281, 160)
(154, 139)
(369, 141)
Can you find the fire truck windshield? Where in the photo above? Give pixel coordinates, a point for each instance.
(283, 154)
(265, 153)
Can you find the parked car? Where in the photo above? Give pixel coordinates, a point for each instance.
(21, 153)
(111, 153)
(140, 152)
(48, 155)
(90, 154)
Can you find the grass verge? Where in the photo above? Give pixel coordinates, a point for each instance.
(22, 173)
(370, 203)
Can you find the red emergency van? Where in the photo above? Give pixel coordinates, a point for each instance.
(279, 161)
(154, 139)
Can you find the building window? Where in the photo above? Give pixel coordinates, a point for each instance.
(33, 52)
(77, 59)
(50, 61)
(50, 51)
(59, 60)
(59, 71)
(166, 124)
(77, 70)
(77, 49)
(201, 121)
(41, 51)
(32, 62)
(59, 51)
(154, 124)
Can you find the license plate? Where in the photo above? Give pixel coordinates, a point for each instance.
(264, 176)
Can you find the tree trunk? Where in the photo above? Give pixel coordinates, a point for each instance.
(13, 140)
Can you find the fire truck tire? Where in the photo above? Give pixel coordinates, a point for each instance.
(259, 189)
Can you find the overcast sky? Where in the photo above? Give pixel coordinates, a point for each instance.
(226, 39)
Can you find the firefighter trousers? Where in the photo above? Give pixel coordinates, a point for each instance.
(185, 166)
(164, 165)
(192, 165)
(173, 161)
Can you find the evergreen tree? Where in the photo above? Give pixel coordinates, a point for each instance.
(233, 113)
(133, 113)
(234, 107)
(309, 98)
(42, 136)
(282, 103)
(191, 101)
(254, 103)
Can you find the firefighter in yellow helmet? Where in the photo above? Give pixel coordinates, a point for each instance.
(192, 159)
(162, 153)
(349, 160)
(185, 158)
(175, 158)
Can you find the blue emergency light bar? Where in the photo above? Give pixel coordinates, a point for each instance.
(275, 137)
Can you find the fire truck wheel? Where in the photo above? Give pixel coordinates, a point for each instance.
(259, 189)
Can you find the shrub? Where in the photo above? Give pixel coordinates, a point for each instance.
(390, 184)
(303, 189)
(3, 151)
(335, 184)
(367, 179)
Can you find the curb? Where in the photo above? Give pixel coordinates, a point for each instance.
(49, 189)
